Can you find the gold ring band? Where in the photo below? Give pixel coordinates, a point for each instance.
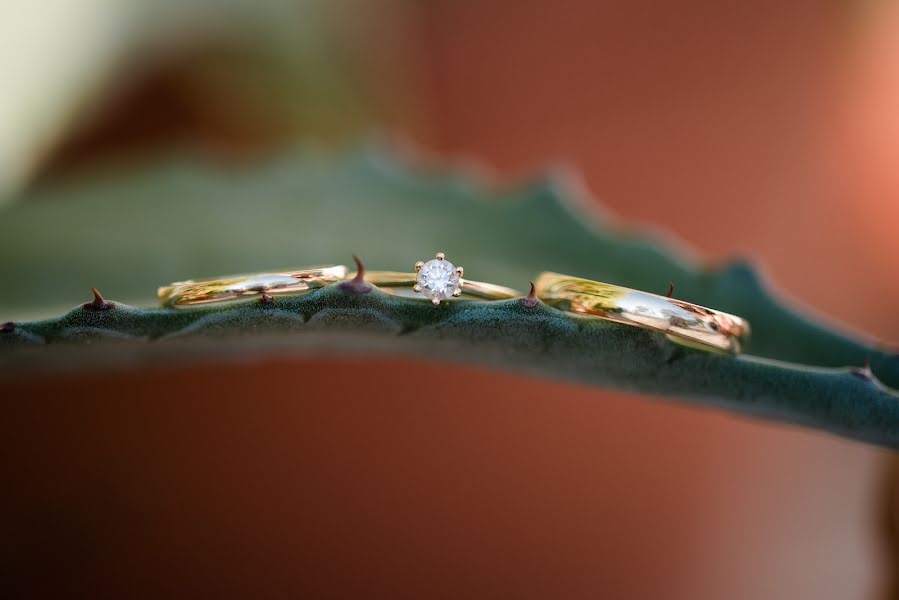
(402, 284)
(283, 283)
(681, 321)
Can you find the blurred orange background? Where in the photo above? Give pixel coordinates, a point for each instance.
(765, 129)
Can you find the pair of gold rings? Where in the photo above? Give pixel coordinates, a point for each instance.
(438, 279)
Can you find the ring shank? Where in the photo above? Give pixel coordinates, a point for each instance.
(394, 281)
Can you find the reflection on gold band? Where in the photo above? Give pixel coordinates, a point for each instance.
(283, 283)
(682, 322)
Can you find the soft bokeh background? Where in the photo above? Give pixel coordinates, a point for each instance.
(764, 129)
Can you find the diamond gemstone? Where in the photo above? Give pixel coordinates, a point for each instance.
(438, 279)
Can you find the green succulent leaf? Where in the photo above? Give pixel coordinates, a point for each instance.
(129, 232)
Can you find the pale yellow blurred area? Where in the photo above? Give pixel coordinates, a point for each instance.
(316, 67)
(47, 72)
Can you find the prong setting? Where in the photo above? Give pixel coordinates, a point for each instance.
(438, 279)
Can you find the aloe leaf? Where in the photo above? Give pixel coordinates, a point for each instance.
(131, 230)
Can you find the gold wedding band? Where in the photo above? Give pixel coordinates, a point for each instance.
(682, 322)
(283, 283)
